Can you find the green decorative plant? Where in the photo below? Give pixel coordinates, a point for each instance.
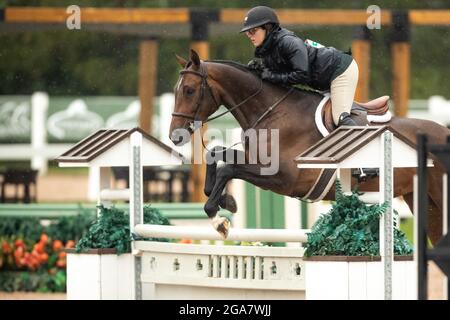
(351, 228)
(112, 230)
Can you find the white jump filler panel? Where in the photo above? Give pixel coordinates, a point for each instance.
(352, 148)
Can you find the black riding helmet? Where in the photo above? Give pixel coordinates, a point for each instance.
(259, 16)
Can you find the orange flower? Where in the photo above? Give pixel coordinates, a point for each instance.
(39, 247)
(70, 244)
(44, 238)
(43, 257)
(18, 253)
(57, 245)
(61, 263)
(62, 255)
(6, 247)
(187, 241)
(19, 243)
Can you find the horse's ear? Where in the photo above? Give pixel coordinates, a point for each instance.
(181, 60)
(195, 58)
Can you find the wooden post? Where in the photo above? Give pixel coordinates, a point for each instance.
(198, 174)
(400, 51)
(199, 34)
(148, 61)
(361, 54)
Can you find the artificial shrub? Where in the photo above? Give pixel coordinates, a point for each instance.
(351, 228)
(112, 230)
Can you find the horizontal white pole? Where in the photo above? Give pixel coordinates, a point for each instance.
(26, 151)
(115, 194)
(208, 233)
(370, 197)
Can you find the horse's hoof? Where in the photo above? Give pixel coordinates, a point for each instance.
(222, 225)
(227, 202)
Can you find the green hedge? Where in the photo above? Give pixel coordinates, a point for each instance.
(32, 256)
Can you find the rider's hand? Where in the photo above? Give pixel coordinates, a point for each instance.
(255, 64)
(266, 74)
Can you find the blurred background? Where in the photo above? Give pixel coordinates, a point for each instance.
(58, 84)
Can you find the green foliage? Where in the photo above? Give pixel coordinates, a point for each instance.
(112, 230)
(30, 228)
(351, 228)
(71, 228)
(33, 281)
(86, 62)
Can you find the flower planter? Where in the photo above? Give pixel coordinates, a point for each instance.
(357, 278)
(99, 274)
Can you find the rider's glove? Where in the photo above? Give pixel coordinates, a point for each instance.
(268, 75)
(255, 64)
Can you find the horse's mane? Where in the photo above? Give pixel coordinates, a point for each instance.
(235, 64)
(245, 68)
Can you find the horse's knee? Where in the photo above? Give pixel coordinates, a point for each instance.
(207, 190)
(225, 172)
(211, 209)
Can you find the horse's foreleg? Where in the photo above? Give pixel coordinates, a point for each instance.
(249, 173)
(226, 155)
(211, 166)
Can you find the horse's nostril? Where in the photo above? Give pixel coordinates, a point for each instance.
(180, 136)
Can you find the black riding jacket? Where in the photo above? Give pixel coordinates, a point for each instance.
(292, 61)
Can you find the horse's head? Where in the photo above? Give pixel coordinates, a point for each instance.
(195, 99)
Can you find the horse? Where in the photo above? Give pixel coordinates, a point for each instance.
(203, 86)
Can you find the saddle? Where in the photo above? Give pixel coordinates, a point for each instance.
(359, 111)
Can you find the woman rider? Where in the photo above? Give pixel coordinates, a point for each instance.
(288, 60)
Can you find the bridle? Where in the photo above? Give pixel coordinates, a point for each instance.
(204, 76)
(205, 85)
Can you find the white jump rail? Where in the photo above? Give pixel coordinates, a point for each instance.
(205, 233)
(115, 194)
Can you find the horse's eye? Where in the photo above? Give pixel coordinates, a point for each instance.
(190, 91)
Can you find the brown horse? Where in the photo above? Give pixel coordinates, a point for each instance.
(205, 85)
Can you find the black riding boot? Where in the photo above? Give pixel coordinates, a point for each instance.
(346, 120)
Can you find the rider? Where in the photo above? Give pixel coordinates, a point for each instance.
(289, 60)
